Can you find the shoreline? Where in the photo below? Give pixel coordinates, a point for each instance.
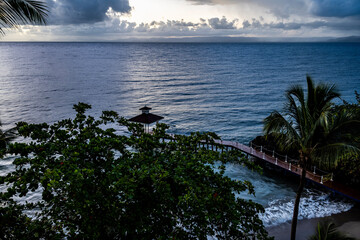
(347, 222)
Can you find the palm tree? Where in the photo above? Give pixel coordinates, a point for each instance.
(326, 230)
(14, 13)
(308, 126)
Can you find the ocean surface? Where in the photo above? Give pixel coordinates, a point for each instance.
(225, 88)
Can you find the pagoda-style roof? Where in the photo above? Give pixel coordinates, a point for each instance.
(145, 108)
(146, 117)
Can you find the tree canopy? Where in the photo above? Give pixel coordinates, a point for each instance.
(98, 184)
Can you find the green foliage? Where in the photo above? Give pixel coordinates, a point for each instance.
(97, 184)
(309, 125)
(347, 168)
(326, 230)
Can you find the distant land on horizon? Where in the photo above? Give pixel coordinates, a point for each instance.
(227, 39)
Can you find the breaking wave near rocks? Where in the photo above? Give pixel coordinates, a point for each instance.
(313, 204)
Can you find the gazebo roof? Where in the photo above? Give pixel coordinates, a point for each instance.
(146, 118)
(145, 108)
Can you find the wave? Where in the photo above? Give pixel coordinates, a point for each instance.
(313, 204)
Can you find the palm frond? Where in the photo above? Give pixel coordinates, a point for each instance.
(282, 129)
(295, 96)
(296, 109)
(6, 136)
(30, 11)
(7, 18)
(326, 230)
(16, 12)
(343, 125)
(331, 153)
(311, 99)
(327, 93)
(312, 126)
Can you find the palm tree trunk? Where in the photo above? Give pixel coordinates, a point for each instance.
(297, 200)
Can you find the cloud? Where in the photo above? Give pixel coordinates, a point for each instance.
(286, 8)
(334, 8)
(84, 11)
(254, 24)
(279, 8)
(214, 2)
(343, 25)
(171, 26)
(222, 23)
(115, 28)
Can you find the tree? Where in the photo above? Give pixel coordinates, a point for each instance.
(326, 230)
(16, 12)
(308, 125)
(97, 184)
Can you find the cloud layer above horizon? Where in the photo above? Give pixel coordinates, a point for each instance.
(112, 19)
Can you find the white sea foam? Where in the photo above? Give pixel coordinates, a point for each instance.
(313, 204)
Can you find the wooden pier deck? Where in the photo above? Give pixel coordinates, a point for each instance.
(322, 180)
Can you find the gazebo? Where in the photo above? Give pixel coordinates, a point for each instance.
(146, 118)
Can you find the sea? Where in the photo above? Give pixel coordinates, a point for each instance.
(226, 88)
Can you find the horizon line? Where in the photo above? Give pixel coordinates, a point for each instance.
(205, 39)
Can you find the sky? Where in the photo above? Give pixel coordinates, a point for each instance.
(129, 20)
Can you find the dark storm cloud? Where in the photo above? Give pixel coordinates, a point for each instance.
(285, 8)
(335, 8)
(83, 11)
(279, 8)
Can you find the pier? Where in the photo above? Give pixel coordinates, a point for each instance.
(314, 175)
